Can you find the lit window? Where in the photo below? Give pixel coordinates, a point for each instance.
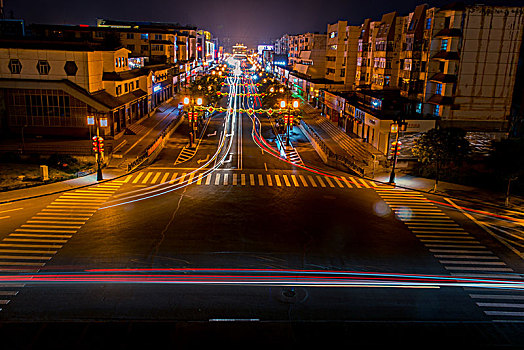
(437, 110)
(444, 44)
(428, 23)
(144, 36)
(438, 89)
(419, 108)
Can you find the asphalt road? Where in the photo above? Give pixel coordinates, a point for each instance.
(251, 212)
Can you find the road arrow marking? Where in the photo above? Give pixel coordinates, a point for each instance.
(230, 159)
(203, 160)
(213, 134)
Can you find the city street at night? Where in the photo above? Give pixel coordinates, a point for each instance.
(224, 197)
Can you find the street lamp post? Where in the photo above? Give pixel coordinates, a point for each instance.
(192, 117)
(394, 129)
(288, 120)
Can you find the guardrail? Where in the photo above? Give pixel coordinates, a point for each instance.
(50, 149)
(150, 150)
(349, 163)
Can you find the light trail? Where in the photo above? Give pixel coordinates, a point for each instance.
(265, 277)
(230, 117)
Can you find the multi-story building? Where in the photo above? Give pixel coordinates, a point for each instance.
(307, 54)
(335, 48)
(414, 52)
(50, 87)
(281, 45)
(473, 65)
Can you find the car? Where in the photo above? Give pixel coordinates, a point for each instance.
(180, 106)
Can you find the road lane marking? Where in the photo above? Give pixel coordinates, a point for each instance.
(199, 181)
(260, 180)
(182, 178)
(269, 180)
(24, 257)
(312, 181)
(277, 179)
(4, 217)
(295, 182)
(303, 180)
(329, 182)
(225, 179)
(53, 246)
(157, 175)
(338, 182)
(243, 179)
(252, 179)
(365, 183)
(191, 176)
(138, 177)
(9, 210)
(38, 240)
(346, 182)
(235, 179)
(319, 179)
(208, 179)
(217, 179)
(28, 251)
(355, 182)
(164, 178)
(173, 178)
(286, 180)
(39, 235)
(47, 231)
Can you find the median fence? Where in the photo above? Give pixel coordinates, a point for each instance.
(328, 156)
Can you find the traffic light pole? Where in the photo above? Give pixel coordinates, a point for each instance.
(99, 176)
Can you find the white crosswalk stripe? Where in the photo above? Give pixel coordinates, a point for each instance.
(457, 250)
(30, 246)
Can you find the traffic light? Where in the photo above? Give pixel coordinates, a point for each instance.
(395, 148)
(101, 144)
(95, 144)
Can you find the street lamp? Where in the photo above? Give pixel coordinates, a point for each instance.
(288, 120)
(192, 117)
(98, 142)
(395, 128)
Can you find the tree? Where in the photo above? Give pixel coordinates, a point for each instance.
(445, 148)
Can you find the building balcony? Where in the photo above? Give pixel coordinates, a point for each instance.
(440, 100)
(449, 32)
(444, 78)
(447, 56)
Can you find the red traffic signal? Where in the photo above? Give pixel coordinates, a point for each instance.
(395, 148)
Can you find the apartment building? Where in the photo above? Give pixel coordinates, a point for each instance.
(335, 49)
(473, 62)
(307, 54)
(281, 45)
(50, 87)
(414, 52)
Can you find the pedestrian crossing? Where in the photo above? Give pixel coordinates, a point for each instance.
(186, 154)
(459, 252)
(230, 178)
(32, 245)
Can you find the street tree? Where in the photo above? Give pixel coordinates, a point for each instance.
(444, 148)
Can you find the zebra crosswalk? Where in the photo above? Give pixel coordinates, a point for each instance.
(459, 252)
(229, 178)
(31, 246)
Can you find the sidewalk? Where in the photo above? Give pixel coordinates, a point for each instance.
(130, 146)
(468, 193)
(338, 142)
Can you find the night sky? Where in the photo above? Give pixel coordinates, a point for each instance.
(251, 22)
